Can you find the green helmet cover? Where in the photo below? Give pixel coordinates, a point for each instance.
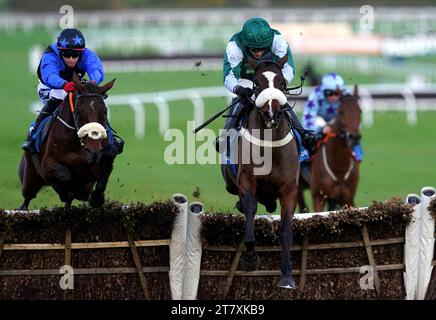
(256, 33)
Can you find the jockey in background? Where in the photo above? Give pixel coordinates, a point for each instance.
(321, 108)
(258, 41)
(55, 72)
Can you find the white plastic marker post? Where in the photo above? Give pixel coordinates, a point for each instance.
(411, 247)
(426, 243)
(177, 247)
(193, 252)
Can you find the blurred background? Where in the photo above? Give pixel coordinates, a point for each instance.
(167, 58)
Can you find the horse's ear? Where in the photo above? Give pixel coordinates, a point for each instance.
(283, 60)
(356, 91)
(252, 62)
(106, 87)
(77, 82)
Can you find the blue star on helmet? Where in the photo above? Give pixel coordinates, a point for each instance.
(63, 43)
(77, 39)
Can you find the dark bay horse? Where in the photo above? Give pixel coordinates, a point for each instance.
(76, 158)
(267, 133)
(335, 172)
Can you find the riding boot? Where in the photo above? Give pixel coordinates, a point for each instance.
(48, 109)
(232, 120)
(308, 138)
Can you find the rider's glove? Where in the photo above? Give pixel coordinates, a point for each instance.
(69, 87)
(243, 92)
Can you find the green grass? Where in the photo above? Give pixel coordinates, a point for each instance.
(399, 159)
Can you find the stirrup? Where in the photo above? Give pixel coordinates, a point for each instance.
(119, 143)
(28, 145)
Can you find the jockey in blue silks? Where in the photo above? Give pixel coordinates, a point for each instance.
(55, 72)
(321, 107)
(256, 40)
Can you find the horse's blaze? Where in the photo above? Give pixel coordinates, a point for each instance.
(271, 93)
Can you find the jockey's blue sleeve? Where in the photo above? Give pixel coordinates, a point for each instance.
(310, 112)
(93, 66)
(50, 66)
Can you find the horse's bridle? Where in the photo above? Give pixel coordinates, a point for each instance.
(343, 134)
(76, 99)
(350, 138)
(74, 110)
(278, 114)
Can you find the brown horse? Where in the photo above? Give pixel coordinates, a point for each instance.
(267, 132)
(335, 172)
(76, 158)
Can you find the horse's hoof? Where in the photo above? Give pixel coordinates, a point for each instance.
(271, 207)
(96, 202)
(287, 283)
(250, 261)
(238, 206)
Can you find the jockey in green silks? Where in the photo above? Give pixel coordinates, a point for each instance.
(257, 40)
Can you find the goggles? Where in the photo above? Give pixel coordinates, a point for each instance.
(256, 50)
(70, 54)
(331, 93)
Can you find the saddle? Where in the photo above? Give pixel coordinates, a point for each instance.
(42, 132)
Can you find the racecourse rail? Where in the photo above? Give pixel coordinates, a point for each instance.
(374, 98)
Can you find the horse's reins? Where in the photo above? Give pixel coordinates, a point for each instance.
(267, 143)
(329, 170)
(70, 98)
(73, 109)
(323, 144)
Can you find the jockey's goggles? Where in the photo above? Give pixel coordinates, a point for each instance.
(256, 50)
(331, 93)
(70, 53)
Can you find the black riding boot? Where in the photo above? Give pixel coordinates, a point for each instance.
(48, 109)
(308, 138)
(231, 122)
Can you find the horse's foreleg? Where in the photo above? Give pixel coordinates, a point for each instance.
(31, 181)
(25, 204)
(96, 198)
(58, 177)
(301, 202)
(247, 188)
(318, 201)
(332, 204)
(63, 190)
(288, 203)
